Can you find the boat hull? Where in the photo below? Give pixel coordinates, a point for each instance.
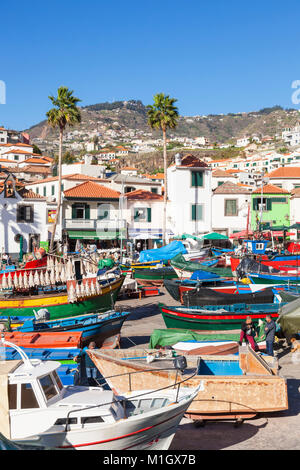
(260, 389)
(209, 321)
(142, 432)
(59, 306)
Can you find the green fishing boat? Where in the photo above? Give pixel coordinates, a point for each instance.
(154, 277)
(184, 269)
(65, 304)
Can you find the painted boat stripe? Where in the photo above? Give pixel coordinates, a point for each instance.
(221, 316)
(120, 437)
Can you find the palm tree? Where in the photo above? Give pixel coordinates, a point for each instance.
(65, 112)
(163, 115)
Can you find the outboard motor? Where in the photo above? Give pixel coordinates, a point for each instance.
(180, 363)
(42, 314)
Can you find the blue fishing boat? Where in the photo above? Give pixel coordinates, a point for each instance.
(97, 327)
(279, 278)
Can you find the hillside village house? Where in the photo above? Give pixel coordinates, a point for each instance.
(26, 218)
(275, 205)
(48, 187)
(230, 208)
(220, 177)
(3, 135)
(189, 196)
(286, 178)
(127, 183)
(291, 136)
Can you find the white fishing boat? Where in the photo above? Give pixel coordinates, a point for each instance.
(36, 407)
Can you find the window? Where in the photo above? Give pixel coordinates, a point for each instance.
(197, 211)
(63, 421)
(230, 207)
(58, 381)
(80, 211)
(44, 191)
(266, 204)
(154, 190)
(91, 419)
(16, 157)
(48, 387)
(129, 189)
(28, 398)
(25, 213)
(12, 396)
(52, 190)
(197, 179)
(220, 183)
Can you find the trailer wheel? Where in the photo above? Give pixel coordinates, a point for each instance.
(199, 423)
(238, 422)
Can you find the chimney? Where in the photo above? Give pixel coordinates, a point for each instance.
(177, 159)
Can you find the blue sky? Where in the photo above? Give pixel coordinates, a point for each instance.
(214, 57)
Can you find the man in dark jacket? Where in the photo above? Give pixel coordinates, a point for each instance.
(270, 329)
(89, 372)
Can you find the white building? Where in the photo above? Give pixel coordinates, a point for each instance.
(189, 194)
(285, 177)
(230, 208)
(291, 136)
(48, 187)
(3, 136)
(220, 177)
(23, 214)
(242, 142)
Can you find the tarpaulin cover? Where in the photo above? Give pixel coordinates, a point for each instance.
(164, 253)
(249, 265)
(179, 262)
(289, 318)
(167, 337)
(203, 275)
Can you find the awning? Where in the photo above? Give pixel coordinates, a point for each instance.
(96, 235)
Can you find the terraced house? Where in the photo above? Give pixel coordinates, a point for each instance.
(270, 207)
(189, 196)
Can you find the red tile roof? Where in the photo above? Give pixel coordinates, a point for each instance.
(75, 176)
(40, 160)
(141, 194)
(193, 162)
(271, 189)
(222, 173)
(232, 188)
(29, 194)
(91, 190)
(285, 172)
(18, 152)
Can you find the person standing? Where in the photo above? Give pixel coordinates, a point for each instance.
(88, 366)
(248, 333)
(270, 329)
